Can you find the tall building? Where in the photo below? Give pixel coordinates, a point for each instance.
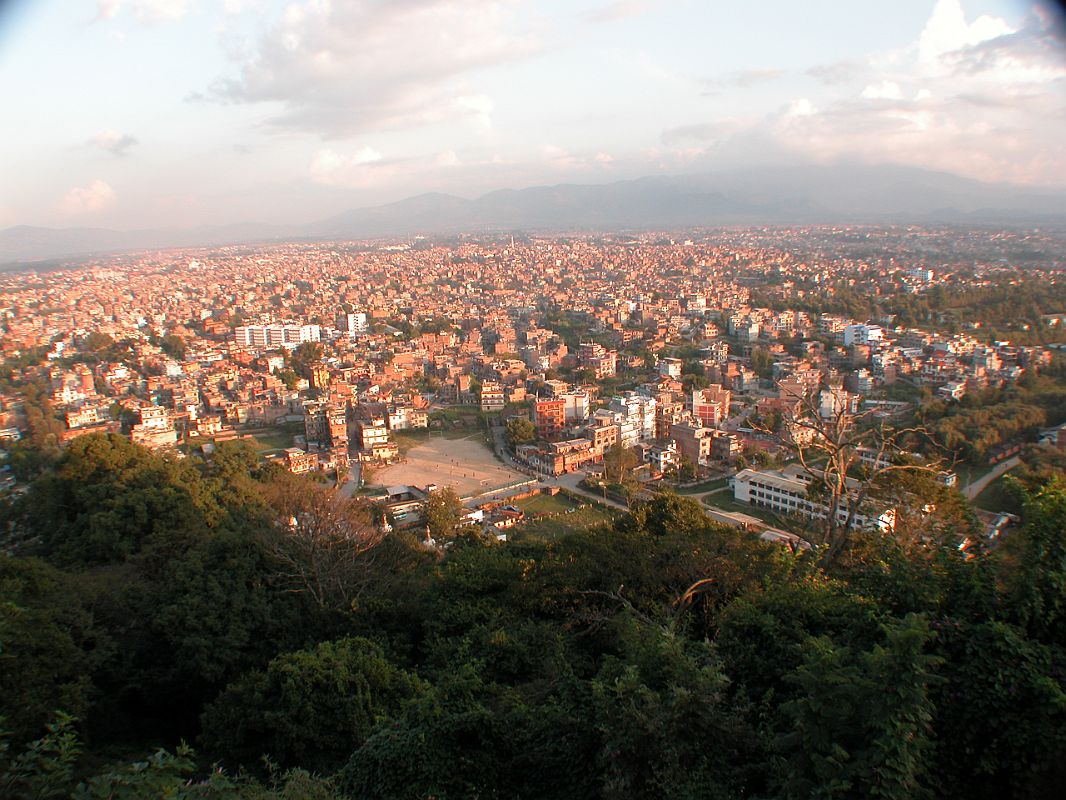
(711, 405)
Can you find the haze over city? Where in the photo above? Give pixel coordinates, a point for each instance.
(172, 113)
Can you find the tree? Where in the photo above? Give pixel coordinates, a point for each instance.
(309, 708)
(303, 357)
(173, 345)
(45, 632)
(441, 512)
(321, 540)
(846, 456)
(850, 737)
(618, 463)
(520, 431)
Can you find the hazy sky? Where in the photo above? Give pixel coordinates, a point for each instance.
(131, 113)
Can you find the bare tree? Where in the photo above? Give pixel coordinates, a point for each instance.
(321, 540)
(848, 457)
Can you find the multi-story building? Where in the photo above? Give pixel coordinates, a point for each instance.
(603, 362)
(693, 441)
(276, 335)
(492, 397)
(785, 492)
(549, 416)
(711, 405)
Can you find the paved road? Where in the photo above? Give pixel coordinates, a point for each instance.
(976, 487)
(354, 480)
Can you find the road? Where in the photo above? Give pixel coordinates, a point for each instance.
(976, 487)
(354, 480)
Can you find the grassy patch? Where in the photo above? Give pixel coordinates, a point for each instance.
(276, 438)
(553, 527)
(995, 497)
(706, 486)
(546, 504)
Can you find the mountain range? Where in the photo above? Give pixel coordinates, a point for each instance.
(756, 196)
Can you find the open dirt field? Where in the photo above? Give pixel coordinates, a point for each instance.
(465, 465)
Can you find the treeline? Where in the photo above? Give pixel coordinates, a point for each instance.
(983, 421)
(155, 600)
(1000, 309)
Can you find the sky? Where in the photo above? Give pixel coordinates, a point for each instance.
(175, 113)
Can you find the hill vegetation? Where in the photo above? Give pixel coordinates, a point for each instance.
(166, 630)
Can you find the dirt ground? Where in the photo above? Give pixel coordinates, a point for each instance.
(465, 465)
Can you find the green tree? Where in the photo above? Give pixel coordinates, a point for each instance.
(850, 737)
(45, 636)
(441, 512)
(520, 431)
(309, 708)
(173, 345)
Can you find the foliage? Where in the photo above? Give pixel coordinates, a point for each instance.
(310, 708)
(520, 431)
(441, 512)
(656, 655)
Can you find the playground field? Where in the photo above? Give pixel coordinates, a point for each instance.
(465, 465)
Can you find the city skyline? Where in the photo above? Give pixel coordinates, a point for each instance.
(176, 112)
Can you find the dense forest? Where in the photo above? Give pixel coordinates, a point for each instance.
(186, 629)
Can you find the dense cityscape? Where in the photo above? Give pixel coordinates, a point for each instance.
(518, 400)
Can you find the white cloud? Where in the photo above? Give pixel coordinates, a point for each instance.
(480, 107)
(113, 142)
(337, 69)
(978, 98)
(885, 90)
(948, 30)
(447, 158)
(160, 10)
(353, 171)
(235, 7)
(107, 9)
(97, 196)
(801, 108)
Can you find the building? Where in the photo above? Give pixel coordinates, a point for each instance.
(670, 367)
(549, 417)
(492, 397)
(693, 441)
(785, 492)
(710, 406)
(155, 427)
(603, 362)
(271, 336)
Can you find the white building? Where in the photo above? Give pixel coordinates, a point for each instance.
(275, 335)
(785, 492)
(863, 334)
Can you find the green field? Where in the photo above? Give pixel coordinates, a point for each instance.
(546, 504)
(275, 438)
(706, 486)
(994, 497)
(553, 527)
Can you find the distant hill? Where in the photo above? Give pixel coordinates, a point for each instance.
(792, 195)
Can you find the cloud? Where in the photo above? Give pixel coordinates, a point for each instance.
(338, 69)
(885, 90)
(88, 199)
(354, 171)
(619, 9)
(928, 104)
(113, 142)
(948, 30)
(107, 9)
(702, 133)
(746, 78)
(150, 11)
(160, 10)
(837, 73)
